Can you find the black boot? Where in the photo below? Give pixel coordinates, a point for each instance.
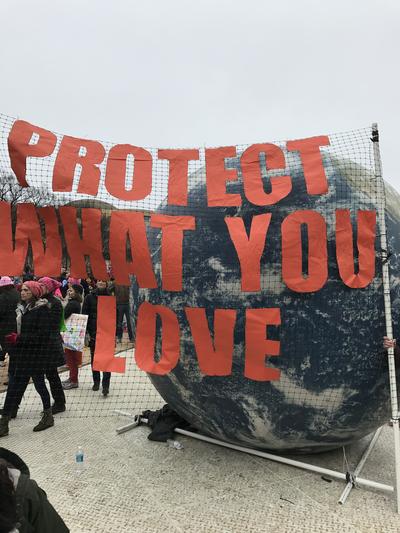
(4, 420)
(47, 421)
(14, 412)
(58, 408)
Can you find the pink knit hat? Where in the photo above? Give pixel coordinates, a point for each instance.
(74, 281)
(6, 281)
(35, 288)
(49, 283)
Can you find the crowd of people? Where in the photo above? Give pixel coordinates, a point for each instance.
(33, 314)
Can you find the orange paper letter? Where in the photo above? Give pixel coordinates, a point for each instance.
(69, 157)
(145, 339)
(20, 147)
(258, 346)
(178, 173)
(215, 358)
(249, 249)
(171, 247)
(104, 359)
(366, 226)
(116, 172)
(292, 253)
(313, 166)
(217, 176)
(252, 178)
(46, 254)
(89, 245)
(129, 224)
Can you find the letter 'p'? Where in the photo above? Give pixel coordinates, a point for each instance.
(20, 147)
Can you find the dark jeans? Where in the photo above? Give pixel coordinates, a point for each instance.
(17, 387)
(96, 374)
(55, 386)
(123, 309)
(3, 350)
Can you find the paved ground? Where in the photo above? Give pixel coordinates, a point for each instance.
(133, 485)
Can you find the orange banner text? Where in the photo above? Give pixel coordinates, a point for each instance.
(26, 141)
(51, 236)
(214, 353)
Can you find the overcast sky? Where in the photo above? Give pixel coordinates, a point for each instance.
(169, 73)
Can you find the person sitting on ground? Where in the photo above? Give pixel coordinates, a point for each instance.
(73, 357)
(90, 308)
(30, 356)
(49, 285)
(24, 506)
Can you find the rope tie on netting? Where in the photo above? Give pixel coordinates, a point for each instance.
(385, 255)
(350, 477)
(375, 136)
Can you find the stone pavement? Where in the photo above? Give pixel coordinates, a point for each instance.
(131, 484)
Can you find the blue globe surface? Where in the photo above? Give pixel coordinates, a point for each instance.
(334, 385)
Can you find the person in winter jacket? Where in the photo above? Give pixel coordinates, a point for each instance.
(123, 309)
(73, 357)
(30, 356)
(24, 507)
(9, 299)
(90, 308)
(49, 285)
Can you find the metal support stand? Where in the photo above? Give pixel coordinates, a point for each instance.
(387, 305)
(137, 420)
(353, 476)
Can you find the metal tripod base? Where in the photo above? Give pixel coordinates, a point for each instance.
(351, 478)
(136, 421)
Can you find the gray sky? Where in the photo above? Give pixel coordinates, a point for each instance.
(169, 73)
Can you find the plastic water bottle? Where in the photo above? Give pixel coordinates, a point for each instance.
(79, 460)
(175, 444)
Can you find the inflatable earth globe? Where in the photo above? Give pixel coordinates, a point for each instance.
(333, 387)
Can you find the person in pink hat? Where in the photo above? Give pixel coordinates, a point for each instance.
(30, 356)
(73, 281)
(9, 299)
(49, 286)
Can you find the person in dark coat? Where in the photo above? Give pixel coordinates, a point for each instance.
(87, 285)
(73, 357)
(90, 308)
(49, 285)
(63, 282)
(123, 309)
(9, 299)
(24, 506)
(30, 356)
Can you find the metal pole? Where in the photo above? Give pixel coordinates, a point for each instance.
(388, 309)
(279, 459)
(136, 419)
(360, 466)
